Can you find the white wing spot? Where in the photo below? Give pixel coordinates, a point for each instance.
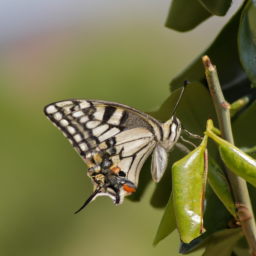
(57, 116)
(109, 134)
(71, 130)
(63, 103)
(77, 137)
(64, 122)
(83, 146)
(76, 108)
(67, 110)
(84, 104)
(116, 117)
(51, 109)
(99, 113)
(99, 130)
(78, 114)
(84, 119)
(92, 124)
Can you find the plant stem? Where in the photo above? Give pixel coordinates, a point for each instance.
(238, 185)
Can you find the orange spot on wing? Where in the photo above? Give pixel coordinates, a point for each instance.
(116, 170)
(128, 189)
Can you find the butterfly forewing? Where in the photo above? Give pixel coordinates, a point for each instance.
(126, 135)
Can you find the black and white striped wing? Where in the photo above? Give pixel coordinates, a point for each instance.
(127, 135)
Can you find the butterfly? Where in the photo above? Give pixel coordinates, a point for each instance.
(114, 140)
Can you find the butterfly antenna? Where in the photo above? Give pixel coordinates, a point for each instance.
(186, 82)
(89, 199)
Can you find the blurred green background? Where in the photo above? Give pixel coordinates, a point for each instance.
(111, 50)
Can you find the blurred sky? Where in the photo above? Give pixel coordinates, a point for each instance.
(25, 17)
(54, 50)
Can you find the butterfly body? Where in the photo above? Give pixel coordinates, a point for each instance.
(114, 140)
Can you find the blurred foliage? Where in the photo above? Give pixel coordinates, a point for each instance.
(184, 19)
(246, 40)
(218, 7)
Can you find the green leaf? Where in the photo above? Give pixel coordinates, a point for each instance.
(224, 54)
(242, 251)
(247, 41)
(236, 160)
(188, 193)
(216, 7)
(238, 105)
(251, 152)
(223, 244)
(241, 248)
(185, 15)
(244, 128)
(167, 224)
(216, 217)
(222, 239)
(219, 183)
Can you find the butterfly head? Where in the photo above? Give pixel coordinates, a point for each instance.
(171, 133)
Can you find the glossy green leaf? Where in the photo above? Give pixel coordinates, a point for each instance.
(185, 15)
(247, 40)
(188, 193)
(223, 53)
(219, 183)
(216, 7)
(240, 163)
(216, 218)
(236, 160)
(167, 224)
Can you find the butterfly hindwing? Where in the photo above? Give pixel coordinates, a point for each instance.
(126, 135)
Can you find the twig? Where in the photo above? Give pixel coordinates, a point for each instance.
(239, 186)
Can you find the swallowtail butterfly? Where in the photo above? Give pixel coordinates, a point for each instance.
(115, 140)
